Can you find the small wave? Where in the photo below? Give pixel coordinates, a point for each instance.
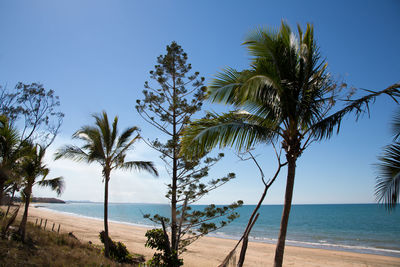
(353, 248)
(323, 244)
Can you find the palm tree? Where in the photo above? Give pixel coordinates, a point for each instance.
(388, 181)
(11, 151)
(102, 145)
(285, 96)
(33, 168)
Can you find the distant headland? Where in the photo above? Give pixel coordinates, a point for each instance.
(36, 200)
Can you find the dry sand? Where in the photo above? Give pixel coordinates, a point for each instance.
(208, 251)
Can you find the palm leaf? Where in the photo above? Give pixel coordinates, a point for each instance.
(56, 184)
(229, 129)
(103, 127)
(396, 125)
(71, 152)
(124, 137)
(388, 182)
(325, 128)
(222, 88)
(140, 166)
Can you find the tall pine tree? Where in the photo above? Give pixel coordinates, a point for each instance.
(169, 106)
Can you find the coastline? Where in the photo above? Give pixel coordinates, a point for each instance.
(208, 251)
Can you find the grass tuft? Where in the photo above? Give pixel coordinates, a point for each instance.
(45, 248)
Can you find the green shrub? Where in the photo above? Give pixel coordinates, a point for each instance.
(157, 240)
(118, 250)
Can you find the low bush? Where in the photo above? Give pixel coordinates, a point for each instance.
(157, 240)
(118, 250)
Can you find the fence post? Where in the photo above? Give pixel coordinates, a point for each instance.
(58, 231)
(41, 220)
(52, 228)
(45, 223)
(36, 221)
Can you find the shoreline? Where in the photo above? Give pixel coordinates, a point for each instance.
(208, 251)
(292, 243)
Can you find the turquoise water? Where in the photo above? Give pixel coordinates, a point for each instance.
(365, 228)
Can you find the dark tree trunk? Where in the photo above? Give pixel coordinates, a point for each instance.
(106, 239)
(174, 224)
(280, 246)
(11, 202)
(1, 190)
(22, 226)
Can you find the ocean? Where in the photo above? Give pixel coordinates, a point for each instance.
(364, 228)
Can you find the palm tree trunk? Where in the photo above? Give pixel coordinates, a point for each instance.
(1, 190)
(11, 201)
(22, 226)
(106, 239)
(280, 246)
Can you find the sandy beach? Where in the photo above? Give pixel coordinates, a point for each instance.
(208, 251)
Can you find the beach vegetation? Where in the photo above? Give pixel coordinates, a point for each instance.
(118, 250)
(33, 168)
(7, 221)
(46, 248)
(387, 186)
(174, 96)
(286, 97)
(156, 239)
(103, 145)
(35, 108)
(10, 154)
(35, 111)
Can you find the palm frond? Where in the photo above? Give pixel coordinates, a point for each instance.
(325, 127)
(222, 88)
(71, 152)
(229, 129)
(396, 125)
(388, 181)
(102, 144)
(140, 166)
(261, 43)
(56, 184)
(124, 137)
(9, 141)
(114, 132)
(103, 127)
(93, 142)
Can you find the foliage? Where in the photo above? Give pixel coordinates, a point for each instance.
(32, 168)
(36, 108)
(51, 249)
(387, 186)
(11, 152)
(103, 145)
(168, 106)
(118, 250)
(285, 97)
(156, 239)
(33, 109)
(7, 222)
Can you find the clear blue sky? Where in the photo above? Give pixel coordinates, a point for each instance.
(97, 54)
